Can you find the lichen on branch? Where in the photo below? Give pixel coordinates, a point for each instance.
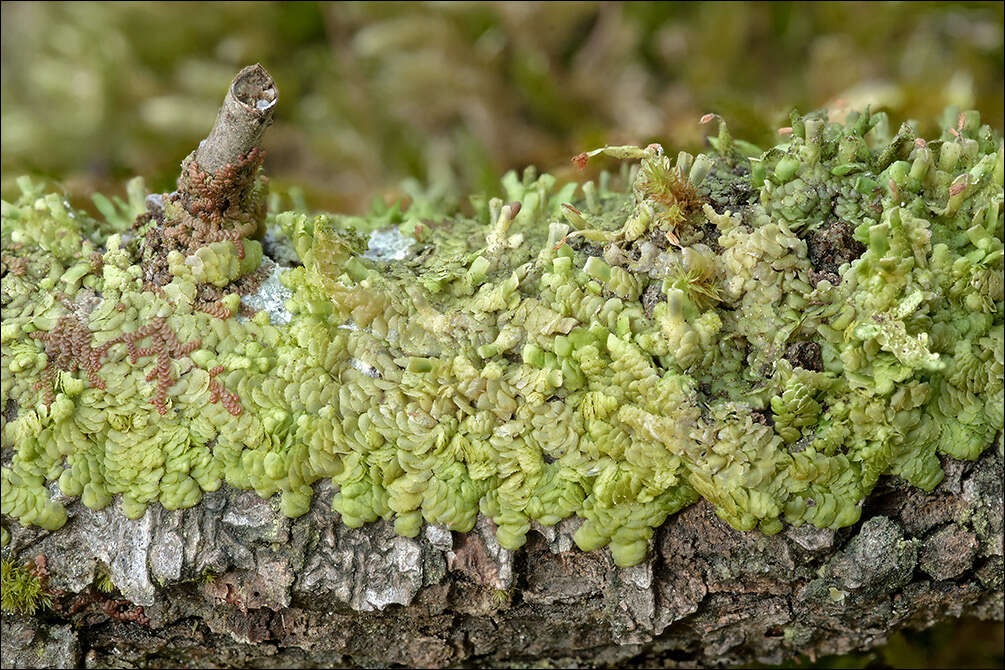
(771, 331)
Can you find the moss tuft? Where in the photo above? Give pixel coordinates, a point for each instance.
(21, 590)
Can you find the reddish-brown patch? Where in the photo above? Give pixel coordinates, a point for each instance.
(213, 196)
(68, 347)
(163, 344)
(216, 309)
(226, 206)
(13, 264)
(218, 393)
(471, 557)
(120, 610)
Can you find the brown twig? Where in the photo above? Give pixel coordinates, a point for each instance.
(220, 188)
(243, 117)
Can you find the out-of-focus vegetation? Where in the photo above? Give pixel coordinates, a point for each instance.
(959, 645)
(459, 92)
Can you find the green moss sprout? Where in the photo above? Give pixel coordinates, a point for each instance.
(21, 590)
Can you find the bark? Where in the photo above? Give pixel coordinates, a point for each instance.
(232, 582)
(241, 122)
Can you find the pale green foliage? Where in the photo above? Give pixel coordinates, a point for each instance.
(616, 360)
(794, 410)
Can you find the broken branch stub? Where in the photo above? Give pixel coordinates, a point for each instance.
(221, 192)
(241, 122)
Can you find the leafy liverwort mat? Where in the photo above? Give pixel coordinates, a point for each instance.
(771, 331)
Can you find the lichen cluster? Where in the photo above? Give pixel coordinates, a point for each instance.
(770, 331)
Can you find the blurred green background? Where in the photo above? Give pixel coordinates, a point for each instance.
(457, 93)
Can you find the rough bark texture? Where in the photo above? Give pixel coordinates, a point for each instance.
(232, 582)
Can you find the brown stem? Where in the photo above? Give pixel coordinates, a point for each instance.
(243, 117)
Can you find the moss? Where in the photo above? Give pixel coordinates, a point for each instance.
(104, 583)
(514, 362)
(22, 589)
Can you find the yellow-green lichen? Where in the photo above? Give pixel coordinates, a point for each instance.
(615, 350)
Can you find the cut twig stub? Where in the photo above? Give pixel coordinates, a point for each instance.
(243, 117)
(221, 191)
